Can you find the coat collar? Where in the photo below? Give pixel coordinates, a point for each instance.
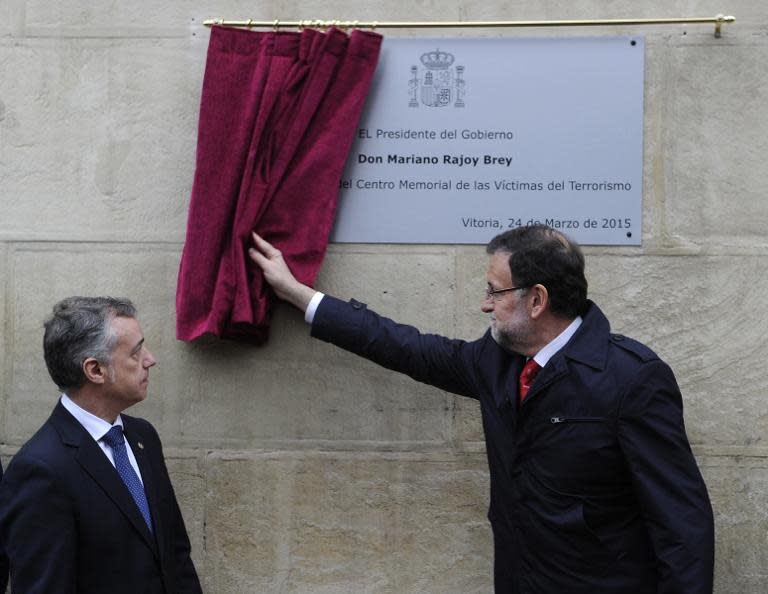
(590, 343)
(588, 346)
(95, 463)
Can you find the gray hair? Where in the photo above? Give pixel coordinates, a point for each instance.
(80, 328)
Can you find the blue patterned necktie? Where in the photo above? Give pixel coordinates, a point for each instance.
(114, 439)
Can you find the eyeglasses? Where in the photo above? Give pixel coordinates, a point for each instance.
(492, 293)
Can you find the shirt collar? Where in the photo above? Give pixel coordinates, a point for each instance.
(545, 354)
(96, 427)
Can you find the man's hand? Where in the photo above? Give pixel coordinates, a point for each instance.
(278, 275)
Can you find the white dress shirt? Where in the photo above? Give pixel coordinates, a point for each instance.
(549, 350)
(309, 314)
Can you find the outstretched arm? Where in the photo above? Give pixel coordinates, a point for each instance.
(434, 360)
(278, 275)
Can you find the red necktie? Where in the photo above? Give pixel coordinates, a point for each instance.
(527, 375)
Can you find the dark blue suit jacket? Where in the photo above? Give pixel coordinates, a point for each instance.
(3, 556)
(70, 525)
(594, 488)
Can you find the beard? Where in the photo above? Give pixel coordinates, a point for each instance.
(502, 338)
(513, 337)
(499, 335)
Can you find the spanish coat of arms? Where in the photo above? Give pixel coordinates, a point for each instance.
(438, 83)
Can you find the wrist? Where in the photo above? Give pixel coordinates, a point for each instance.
(298, 295)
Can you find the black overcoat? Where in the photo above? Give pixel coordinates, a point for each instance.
(594, 488)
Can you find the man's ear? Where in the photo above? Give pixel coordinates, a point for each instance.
(95, 371)
(538, 300)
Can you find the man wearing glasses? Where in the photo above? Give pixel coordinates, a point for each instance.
(593, 484)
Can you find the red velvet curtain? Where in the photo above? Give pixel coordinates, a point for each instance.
(277, 119)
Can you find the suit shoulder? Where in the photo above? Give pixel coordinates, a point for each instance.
(139, 426)
(137, 422)
(637, 349)
(43, 454)
(43, 445)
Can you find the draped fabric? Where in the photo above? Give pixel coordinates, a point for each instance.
(277, 118)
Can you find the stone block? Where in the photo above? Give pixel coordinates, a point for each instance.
(6, 345)
(738, 488)
(98, 138)
(187, 473)
(471, 266)
(695, 313)
(712, 148)
(238, 400)
(340, 523)
(657, 73)
(42, 274)
(11, 18)
(552, 10)
(411, 284)
(96, 19)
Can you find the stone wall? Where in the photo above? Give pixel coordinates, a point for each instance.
(300, 468)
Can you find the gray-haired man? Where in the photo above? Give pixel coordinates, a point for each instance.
(86, 505)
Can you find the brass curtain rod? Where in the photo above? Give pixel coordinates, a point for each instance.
(276, 24)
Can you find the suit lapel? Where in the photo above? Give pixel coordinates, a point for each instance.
(96, 464)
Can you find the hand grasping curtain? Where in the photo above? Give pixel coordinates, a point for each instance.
(277, 118)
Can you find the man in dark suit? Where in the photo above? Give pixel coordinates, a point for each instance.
(594, 488)
(86, 505)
